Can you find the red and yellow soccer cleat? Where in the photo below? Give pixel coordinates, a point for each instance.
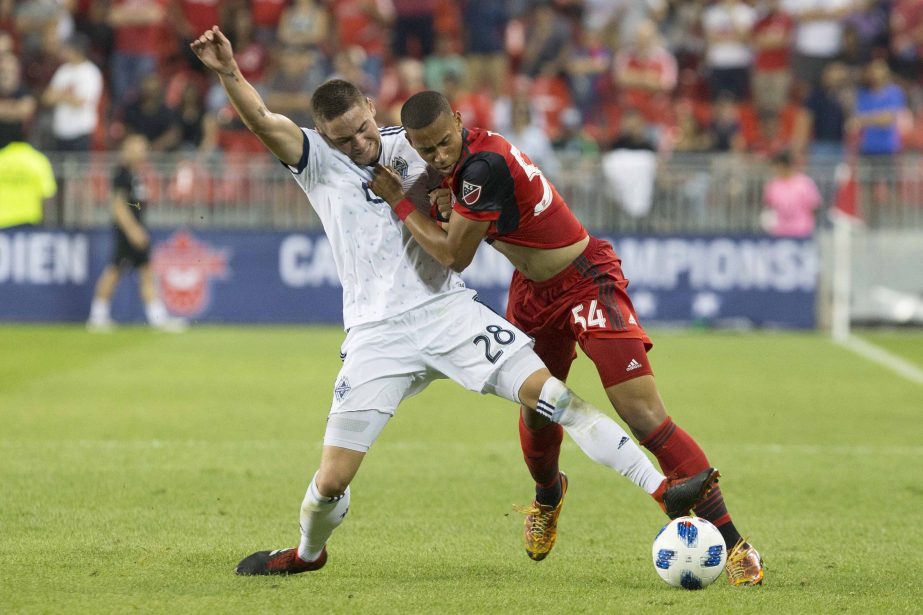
(744, 565)
(541, 525)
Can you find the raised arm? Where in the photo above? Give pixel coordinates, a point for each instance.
(277, 132)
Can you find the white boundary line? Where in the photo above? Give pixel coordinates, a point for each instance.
(877, 354)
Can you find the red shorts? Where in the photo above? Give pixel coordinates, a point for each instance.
(586, 303)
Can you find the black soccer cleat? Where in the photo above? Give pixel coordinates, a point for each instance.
(683, 494)
(281, 561)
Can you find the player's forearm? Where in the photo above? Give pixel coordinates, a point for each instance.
(434, 240)
(246, 100)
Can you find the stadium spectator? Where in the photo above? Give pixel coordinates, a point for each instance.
(304, 24)
(74, 92)
(266, 16)
(413, 34)
(193, 16)
(442, 61)
(92, 19)
(397, 85)
(40, 20)
(772, 40)
(252, 55)
(630, 165)
(574, 142)
(725, 132)
(826, 108)
(907, 39)
(150, 116)
(628, 15)
(690, 134)
(646, 72)
(17, 105)
(531, 139)
(138, 27)
(588, 69)
(728, 27)
(474, 106)
(880, 103)
(131, 244)
(484, 38)
(199, 130)
(547, 42)
(26, 180)
(349, 65)
(791, 200)
(365, 24)
(289, 88)
(818, 35)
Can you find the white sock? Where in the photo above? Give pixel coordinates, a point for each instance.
(156, 312)
(320, 515)
(602, 439)
(99, 310)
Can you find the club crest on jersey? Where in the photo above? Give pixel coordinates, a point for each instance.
(470, 193)
(342, 389)
(400, 166)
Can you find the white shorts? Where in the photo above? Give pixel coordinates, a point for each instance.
(453, 337)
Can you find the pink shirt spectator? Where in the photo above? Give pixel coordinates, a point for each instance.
(793, 200)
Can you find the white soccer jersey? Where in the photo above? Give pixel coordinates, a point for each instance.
(383, 270)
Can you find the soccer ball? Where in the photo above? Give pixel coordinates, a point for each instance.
(689, 552)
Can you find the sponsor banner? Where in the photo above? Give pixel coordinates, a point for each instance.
(282, 277)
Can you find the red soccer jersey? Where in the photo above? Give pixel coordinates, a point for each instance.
(494, 181)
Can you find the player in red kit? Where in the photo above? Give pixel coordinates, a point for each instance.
(568, 289)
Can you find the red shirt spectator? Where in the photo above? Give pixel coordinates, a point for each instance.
(200, 15)
(647, 73)
(139, 25)
(363, 23)
(266, 13)
(772, 34)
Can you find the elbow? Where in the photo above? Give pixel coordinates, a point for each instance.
(458, 263)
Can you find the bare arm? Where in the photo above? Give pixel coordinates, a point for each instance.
(454, 248)
(276, 131)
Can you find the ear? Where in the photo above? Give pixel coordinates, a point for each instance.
(371, 106)
(458, 121)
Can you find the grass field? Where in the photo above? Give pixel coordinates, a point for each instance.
(137, 468)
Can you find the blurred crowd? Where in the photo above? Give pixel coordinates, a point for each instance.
(759, 76)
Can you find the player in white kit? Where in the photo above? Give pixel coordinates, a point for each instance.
(409, 320)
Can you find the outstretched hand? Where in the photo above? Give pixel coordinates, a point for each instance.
(387, 184)
(214, 49)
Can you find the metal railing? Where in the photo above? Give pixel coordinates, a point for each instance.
(702, 193)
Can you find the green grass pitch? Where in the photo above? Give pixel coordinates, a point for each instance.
(137, 468)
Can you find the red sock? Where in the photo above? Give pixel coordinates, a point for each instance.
(540, 449)
(679, 455)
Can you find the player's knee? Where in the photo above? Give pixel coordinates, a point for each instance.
(330, 484)
(642, 410)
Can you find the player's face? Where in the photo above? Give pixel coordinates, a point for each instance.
(440, 143)
(355, 133)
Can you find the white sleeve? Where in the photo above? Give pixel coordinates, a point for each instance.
(315, 158)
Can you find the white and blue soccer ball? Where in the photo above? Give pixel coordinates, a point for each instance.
(689, 552)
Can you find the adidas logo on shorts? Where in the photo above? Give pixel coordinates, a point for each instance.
(632, 365)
